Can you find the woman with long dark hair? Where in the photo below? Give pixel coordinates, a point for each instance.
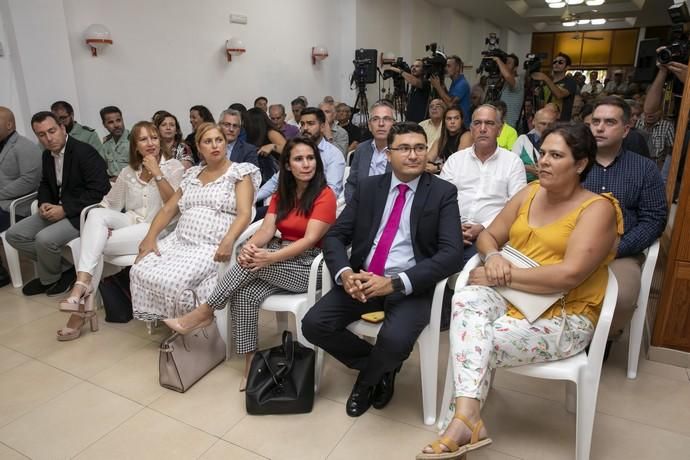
(268, 140)
(454, 136)
(303, 209)
(171, 138)
(198, 114)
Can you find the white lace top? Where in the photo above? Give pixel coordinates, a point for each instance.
(141, 200)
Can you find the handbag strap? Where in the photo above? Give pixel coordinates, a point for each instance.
(195, 298)
(289, 350)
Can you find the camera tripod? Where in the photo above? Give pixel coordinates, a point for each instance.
(494, 86)
(400, 100)
(361, 104)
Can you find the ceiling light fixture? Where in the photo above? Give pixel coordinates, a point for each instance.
(553, 1)
(594, 2)
(569, 23)
(574, 2)
(598, 22)
(557, 5)
(582, 22)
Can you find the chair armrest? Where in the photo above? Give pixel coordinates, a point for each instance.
(19, 201)
(84, 212)
(464, 276)
(313, 280)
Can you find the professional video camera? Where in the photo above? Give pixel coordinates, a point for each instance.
(678, 48)
(488, 65)
(434, 64)
(398, 64)
(533, 62)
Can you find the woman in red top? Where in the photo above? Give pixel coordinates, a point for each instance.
(303, 209)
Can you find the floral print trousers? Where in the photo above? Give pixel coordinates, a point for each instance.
(483, 337)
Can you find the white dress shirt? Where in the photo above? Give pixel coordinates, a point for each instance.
(59, 160)
(484, 187)
(379, 160)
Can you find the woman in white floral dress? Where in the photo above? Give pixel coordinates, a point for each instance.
(215, 203)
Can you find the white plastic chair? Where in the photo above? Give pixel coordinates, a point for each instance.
(428, 342)
(11, 254)
(638, 320)
(583, 369)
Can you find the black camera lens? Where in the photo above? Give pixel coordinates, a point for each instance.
(664, 55)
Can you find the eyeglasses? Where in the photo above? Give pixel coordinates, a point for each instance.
(230, 125)
(559, 61)
(377, 120)
(406, 149)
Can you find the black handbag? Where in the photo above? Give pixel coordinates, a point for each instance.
(117, 298)
(281, 379)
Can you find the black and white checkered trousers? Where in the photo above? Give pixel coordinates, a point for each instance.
(243, 291)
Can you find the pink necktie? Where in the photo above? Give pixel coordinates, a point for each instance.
(378, 260)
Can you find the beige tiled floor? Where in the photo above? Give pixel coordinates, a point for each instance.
(99, 398)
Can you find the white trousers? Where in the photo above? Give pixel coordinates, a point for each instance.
(124, 239)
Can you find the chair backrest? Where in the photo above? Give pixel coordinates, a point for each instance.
(648, 267)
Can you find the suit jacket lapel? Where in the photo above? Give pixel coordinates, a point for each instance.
(419, 202)
(365, 164)
(66, 164)
(379, 204)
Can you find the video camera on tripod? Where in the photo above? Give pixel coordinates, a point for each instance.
(397, 77)
(434, 64)
(494, 80)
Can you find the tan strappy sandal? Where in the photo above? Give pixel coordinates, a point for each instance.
(74, 304)
(454, 450)
(68, 333)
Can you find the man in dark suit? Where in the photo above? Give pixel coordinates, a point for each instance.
(239, 151)
(404, 231)
(74, 176)
(369, 158)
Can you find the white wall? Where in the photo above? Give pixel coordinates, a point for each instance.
(170, 55)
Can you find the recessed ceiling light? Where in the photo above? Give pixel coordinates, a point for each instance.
(594, 2)
(583, 21)
(598, 22)
(557, 5)
(569, 23)
(574, 2)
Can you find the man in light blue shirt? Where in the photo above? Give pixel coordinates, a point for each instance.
(459, 92)
(311, 123)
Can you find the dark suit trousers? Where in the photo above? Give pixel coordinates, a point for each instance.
(406, 316)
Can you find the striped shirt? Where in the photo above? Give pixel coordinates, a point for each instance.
(636, 183)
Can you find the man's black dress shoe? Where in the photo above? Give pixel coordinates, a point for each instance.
(62, 285)
(383, 391)
(359, 400)
(4, 277)
(35, 287)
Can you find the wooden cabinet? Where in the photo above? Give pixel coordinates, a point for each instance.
(590, 49)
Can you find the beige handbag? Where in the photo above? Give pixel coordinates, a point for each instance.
(184, 359)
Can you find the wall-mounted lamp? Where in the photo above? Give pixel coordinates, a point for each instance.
(388, 57)
(97, 36)
(234, 47)
(318, 53)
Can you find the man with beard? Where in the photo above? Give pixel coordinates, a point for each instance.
(115, 148)
(65, 115)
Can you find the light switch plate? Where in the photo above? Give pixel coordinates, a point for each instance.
(238, 19)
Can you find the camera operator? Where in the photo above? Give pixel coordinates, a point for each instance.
(560, 88)
(513, 91)
(459, 92)
(419, 91)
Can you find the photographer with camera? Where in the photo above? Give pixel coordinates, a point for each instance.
(419, 88)
(459, 92)
(513, 91)
(560, 88)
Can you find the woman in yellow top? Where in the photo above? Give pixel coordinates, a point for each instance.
(572, 233)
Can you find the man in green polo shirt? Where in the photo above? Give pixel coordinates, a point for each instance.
(116, 144)
(64, 113)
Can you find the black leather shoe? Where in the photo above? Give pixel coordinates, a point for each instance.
(35, 287)
(359, 400)
(62, 285)
(4, 277)
(383, 391)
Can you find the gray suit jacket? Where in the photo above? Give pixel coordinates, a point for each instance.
(20, 171)
(359, 169)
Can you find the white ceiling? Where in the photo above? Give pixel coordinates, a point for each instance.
(526, 16)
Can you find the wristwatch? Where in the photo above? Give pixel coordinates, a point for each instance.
(159, 178)
(398, 285)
